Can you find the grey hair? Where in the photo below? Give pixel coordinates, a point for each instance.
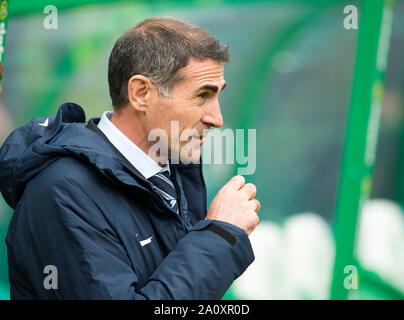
(158, 48)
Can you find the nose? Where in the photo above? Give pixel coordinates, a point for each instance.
(213, 115)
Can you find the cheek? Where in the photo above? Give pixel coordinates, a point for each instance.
(191, 116)
(162, 113)
(177, 115)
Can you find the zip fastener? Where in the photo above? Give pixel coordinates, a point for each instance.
(205, 200)
(179, 215)
(179, 195)
(161, 198)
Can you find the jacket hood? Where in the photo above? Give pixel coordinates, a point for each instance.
(32, 147)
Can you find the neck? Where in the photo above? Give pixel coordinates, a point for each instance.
(132, 126)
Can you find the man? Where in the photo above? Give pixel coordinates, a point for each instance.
(99, 216)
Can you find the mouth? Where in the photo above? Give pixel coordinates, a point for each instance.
(200, 136)
(195, 139)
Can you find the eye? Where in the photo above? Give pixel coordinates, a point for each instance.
(203, 94)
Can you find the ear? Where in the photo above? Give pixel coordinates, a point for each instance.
(139, 90)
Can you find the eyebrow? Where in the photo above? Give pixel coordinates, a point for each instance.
(211, 87)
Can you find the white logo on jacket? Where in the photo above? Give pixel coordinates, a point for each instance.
(146, 241)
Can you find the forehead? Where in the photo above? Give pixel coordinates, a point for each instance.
(201, 72)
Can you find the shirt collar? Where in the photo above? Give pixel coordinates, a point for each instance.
(139, 159)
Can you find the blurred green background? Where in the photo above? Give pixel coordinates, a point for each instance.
(290, 78)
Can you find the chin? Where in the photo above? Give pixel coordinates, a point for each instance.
(191, 155)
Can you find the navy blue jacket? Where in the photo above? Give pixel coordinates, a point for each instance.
(81, 207)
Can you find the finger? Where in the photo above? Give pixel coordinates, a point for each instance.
(256, 222)
(255, 204)
(236, 183)
(250, 190)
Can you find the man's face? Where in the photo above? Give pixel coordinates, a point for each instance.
(191, 110)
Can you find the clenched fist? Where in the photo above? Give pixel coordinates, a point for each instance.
(235, 204)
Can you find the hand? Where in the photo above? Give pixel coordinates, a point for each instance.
(235, 204)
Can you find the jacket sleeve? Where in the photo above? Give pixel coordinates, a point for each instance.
(93, 264)
(204, 264)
